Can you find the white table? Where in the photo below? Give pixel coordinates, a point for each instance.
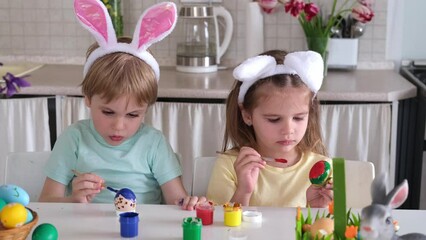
(162, 222)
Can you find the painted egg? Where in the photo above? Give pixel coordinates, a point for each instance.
(322, 227)
(320, 173)
(30, 216)
(2, 203)
(11, 193)
(125, 200)
(45, 231)
(13, 215)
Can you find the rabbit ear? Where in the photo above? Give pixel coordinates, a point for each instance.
(398, 195)
(93, 15)
(378, 189)
(154, 24)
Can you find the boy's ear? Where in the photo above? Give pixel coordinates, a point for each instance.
(87, 101)
(246, 115)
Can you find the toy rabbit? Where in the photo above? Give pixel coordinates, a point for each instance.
(376, 219)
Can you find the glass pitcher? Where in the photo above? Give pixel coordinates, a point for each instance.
(198, 49)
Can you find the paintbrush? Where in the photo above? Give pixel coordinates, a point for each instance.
(77, 173)
(267, 159)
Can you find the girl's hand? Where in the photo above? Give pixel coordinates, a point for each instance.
(85, 186)
(247, 167)
(319, 196)
(189, 202)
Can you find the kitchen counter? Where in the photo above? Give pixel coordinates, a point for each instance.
(352, 86)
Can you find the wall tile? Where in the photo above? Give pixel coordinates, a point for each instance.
(49, 28)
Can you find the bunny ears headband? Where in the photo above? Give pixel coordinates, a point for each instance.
(154, 24)
(308, 65)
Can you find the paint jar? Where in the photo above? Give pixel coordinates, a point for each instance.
(129, 223)
(191, 228)
(232, 214)
(205, 212)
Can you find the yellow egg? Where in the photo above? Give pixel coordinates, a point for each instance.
(13, 215)
(322, 227)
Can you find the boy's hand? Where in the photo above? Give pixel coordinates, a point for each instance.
(189, 202)
(319, 196)
(85, 186)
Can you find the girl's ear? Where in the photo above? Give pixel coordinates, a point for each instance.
(246, 115)
(87, 101)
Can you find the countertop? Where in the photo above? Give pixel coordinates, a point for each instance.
(357, 85)
(99, 221)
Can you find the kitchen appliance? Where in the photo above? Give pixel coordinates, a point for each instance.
(199, 48)
(411, 142)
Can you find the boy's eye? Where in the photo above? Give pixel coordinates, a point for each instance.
(106, 112)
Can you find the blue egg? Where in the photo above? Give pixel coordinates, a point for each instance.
(30, 216)
(14, 194)
(2, 204)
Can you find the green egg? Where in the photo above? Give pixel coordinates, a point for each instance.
(45, 231)
(2, 204)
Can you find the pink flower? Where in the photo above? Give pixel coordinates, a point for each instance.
(294, 7)
(311, 10)
(268, 5)
(367, 3)
(362, 13)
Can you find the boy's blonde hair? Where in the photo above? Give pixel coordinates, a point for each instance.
(238, 134)
(120, 74)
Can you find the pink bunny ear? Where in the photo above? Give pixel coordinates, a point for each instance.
(93, 15)
(155, 24)
(398, 195)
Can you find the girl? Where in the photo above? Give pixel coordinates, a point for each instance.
(272, 112)
(115, 148)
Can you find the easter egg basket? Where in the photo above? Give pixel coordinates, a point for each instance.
(19, 233)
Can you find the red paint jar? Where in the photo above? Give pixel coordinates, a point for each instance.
(205, 212)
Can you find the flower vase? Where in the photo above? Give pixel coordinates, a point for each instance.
(319, 45)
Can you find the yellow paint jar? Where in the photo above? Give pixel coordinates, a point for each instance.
(232, 215)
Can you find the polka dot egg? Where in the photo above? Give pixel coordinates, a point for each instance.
(13, 215)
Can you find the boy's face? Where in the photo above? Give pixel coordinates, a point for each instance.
(280, 120)
(117, 120)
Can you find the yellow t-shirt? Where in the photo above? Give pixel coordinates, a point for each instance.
(276, 187)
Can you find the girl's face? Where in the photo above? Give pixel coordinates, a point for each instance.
(279, 120)
(117, 120)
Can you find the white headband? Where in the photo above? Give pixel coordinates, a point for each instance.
(308, 65)
(154, 24)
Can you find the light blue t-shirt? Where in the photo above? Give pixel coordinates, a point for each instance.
(142, 163)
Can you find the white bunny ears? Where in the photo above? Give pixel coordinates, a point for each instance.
(309, 65)
(154, 24)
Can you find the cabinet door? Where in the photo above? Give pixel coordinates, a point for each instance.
(24, 127)
(359, 132)
(353, 131)
(193, 130)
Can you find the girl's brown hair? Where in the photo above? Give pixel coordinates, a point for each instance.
(238, 134)
(120, 74)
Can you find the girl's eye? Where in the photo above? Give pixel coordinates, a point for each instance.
(273, 120)
(299, 118)
(133, 115)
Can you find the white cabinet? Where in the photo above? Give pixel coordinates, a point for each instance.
(24, 126)
(352, 131)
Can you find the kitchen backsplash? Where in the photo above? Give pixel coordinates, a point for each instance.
(47, 31)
